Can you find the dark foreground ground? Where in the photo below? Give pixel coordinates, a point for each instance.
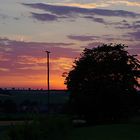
(60, 128)
(37, 126)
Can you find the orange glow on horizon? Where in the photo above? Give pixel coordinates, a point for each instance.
(30, 72)
(35, 82)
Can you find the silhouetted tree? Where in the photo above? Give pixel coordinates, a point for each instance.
(103, 83)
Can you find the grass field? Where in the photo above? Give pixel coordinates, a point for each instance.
(18, 96)
(60, 129)
(107, 132)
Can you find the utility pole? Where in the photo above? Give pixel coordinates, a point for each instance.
(48, 79)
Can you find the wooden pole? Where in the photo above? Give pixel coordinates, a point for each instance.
(48, 79)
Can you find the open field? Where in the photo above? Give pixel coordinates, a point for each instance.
(102, 132)
(16, 104)
(59, 128)
(40, 96)
(107, 132)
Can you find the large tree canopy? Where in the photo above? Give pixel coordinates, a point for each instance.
(103, 82)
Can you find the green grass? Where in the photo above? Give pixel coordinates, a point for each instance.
(17, 116)
(107, 132)
(48, 128)
(60, 128)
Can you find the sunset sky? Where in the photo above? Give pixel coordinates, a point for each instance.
(63, 27)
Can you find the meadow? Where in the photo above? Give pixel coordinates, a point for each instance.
(61, 128)
(20, 104)
(41, 126)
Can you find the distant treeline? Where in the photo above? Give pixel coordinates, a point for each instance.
(28, 89)
(32, 101)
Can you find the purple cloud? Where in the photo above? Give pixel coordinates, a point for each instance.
(44, 17)
(134, 35)
(93, 37)
(59, 10)
(81, 37)
(137, 22)
(70, 11)
(35, 48)
(19, 57)
(121, 13)
(105, 38)
(125, 25)
(95, 19)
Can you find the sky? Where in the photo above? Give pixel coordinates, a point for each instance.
(63, 27)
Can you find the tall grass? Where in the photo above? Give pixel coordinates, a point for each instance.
(44, 128)
(59, 127)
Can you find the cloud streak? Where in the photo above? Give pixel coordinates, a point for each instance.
(44, 17)
(100, 39)
(19, 60)
(134, 35)
(126, 25)
(81, 37)
(54, 12)
(30, 54)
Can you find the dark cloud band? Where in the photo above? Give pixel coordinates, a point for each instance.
(69, 10)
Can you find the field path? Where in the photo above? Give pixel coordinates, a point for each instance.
(6, 123)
